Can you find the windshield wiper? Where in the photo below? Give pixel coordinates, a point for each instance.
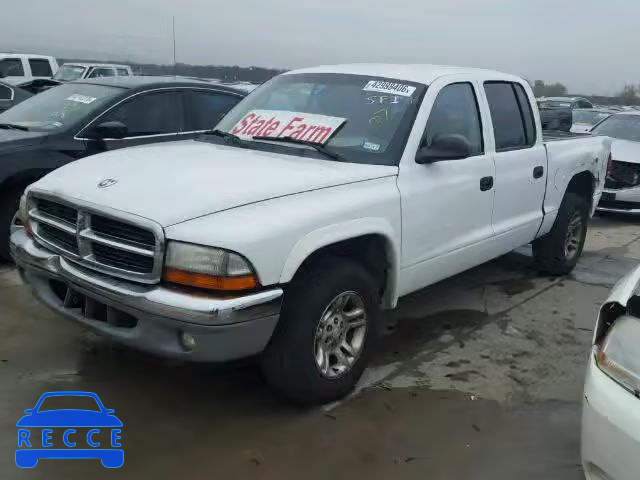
(223, 134)
(316, 146)
(13, 126)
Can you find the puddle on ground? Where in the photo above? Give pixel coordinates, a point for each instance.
(443, 328)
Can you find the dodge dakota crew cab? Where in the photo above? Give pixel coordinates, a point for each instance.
(316, 203)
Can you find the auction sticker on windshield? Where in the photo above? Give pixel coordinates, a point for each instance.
(76, 97)
(395, 88)
(279, 124)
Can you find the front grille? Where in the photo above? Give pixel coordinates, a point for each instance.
(57, 210)
(121, 248)
(61, 238)
(619, 204)
(122, 231)
(622, 175)
(121, 259)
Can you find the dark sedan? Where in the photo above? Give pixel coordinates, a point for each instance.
(78, 119)
(11, 95)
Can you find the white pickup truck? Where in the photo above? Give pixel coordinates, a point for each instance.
(320, 200)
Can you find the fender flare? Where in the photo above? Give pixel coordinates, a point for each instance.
(338, 232)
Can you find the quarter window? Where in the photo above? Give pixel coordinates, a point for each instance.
(148, 114)
(511, 115)
(208, 108)
(40, 67)
(455, 112)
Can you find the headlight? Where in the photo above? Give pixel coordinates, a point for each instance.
(207, 267)
(23, 213)
(618, 354)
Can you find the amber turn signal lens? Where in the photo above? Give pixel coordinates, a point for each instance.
(210, 282)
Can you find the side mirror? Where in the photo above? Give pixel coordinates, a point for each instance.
(444, 147)
(109, 411)
(113, 129)
(29, 411)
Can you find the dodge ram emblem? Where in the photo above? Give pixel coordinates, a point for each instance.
(107, 182)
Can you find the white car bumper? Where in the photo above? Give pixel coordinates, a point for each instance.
(625, 200)
(610, 429)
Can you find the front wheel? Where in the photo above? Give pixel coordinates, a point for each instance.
(557, 253)
(325, 334)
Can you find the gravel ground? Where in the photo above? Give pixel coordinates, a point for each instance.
(480, 379)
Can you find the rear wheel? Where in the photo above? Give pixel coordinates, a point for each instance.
(9, 203)
(557, 253)
(325, 334)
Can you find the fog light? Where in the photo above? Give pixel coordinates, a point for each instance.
(188, 341)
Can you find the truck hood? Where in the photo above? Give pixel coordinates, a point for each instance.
(625, 150)
(174, 182)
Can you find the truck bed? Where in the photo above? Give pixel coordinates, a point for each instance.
(558, 135)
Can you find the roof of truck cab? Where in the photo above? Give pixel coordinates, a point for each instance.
(421, 73)
(146, 82)
(30, 55)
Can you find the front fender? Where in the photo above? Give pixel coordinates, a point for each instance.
(338, 232)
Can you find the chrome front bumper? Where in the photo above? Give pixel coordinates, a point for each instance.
(224, 329)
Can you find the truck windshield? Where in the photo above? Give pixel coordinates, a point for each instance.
(624, 127)
(362, 119)
(69, 73)
(588, 117)
(59, 107)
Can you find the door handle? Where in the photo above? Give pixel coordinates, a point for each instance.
(538, 172)
(486, 183)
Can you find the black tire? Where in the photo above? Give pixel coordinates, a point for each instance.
(9, 203)
(288, 362)
(549, 252)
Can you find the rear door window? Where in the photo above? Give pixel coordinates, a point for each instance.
(206, 109)
(12, 67)
(123, 72)
(527, 114)
(40, 67)
(101, 73)
(506, 115)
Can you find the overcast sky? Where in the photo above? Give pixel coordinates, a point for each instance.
(589, 45)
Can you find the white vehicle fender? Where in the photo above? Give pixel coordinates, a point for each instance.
(337, 232)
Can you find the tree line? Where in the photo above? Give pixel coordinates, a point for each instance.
(629, 95)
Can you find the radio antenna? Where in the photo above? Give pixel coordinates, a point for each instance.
(174, 44)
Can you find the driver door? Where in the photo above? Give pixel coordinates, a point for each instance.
(447, 205)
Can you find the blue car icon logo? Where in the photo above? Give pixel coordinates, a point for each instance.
(84, 433)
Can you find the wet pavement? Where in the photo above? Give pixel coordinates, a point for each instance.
(480, 379)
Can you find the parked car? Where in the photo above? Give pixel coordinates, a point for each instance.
(316, 203)
(584, 119)
(560, 119)
(611, 404)
(11, 95)
(19, 68)
(622, 188)
(78, 119)
(565, 102)
(69, 72)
